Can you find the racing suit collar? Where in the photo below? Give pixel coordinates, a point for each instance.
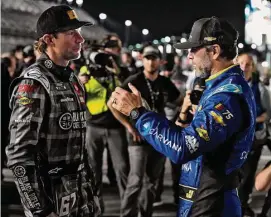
(63, 73)
(219, 75)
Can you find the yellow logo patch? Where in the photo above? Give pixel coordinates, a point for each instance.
(203, 133)
(189, 194)
(25, 101)
(72, 15)
(218, 118)
(209, 38)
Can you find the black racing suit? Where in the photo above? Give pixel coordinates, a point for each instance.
(47, 146)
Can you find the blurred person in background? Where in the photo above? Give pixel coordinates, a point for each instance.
(146, 164)
(221, 133)
(100, 78)
(129, 62)
(29, 56)
(18, 53)
(178, 78)
(263, 109)
(263, 183)
(47, 151)
(8, 66)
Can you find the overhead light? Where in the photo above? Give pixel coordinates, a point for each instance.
(253, 46)
(161, 48)
(155, 41)
(241, 45)
(183, 40)
(265, 64)
(145, 31)
(69, 1)
(168, 48)
(102, 16)
(79, 2)
(128, 23)
(167, 39)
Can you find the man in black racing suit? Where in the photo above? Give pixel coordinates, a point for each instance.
(47, 126)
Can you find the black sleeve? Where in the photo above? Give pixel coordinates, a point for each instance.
(130, 79)
(173, 92)
(28, 103)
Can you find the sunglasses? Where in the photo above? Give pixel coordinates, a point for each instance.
(195, 49)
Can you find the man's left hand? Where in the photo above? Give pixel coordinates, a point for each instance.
(124, 101)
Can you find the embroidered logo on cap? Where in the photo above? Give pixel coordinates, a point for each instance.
(209, 39)
(72, 15)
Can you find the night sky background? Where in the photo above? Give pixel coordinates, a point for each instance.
(163, 18)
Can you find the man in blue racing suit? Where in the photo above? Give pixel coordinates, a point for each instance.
(216, 143)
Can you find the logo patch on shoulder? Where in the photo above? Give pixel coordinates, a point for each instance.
(48, 64)
(203, 133)
(25, 101)
(218, 118)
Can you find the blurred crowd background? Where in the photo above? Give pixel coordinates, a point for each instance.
(252, 19)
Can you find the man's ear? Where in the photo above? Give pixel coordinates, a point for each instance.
(216, 51)
(48, 39)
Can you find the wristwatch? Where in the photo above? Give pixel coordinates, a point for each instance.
(136, 113)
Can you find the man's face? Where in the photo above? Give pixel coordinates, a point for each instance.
(151, 64)
(246, 64)
(201, 61)
(68, 44)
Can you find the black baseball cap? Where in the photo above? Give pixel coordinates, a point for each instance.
(208, 31)
(58, 18)
(151, 51)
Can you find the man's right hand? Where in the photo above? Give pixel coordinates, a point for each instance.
(187, 102)
(135, 134)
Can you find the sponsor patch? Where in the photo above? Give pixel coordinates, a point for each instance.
(55, 170)
(60, 86)
(82, 100)
(187, 167)
(67, 99)
(22, 100)
(191, 143)
(72, 15)
(224, 111)
(65, 121)
(218, 118)
(19, 171)
(26, 120)
(74, 120)
(48, 64)
(26, 88)
(232, 88)
(162, 138)
(36, 74)
(76, 88)
(219, 107)
(25, 187)
(244, 155)
(203, 134)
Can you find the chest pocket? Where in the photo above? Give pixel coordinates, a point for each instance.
(96, 97)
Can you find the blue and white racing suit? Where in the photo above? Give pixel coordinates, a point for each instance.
(212, 148)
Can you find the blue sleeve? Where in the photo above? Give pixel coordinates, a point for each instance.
(213, 124)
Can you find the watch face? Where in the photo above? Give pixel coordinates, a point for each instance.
(134, 114)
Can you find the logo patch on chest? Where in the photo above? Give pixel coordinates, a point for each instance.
(72, 120)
